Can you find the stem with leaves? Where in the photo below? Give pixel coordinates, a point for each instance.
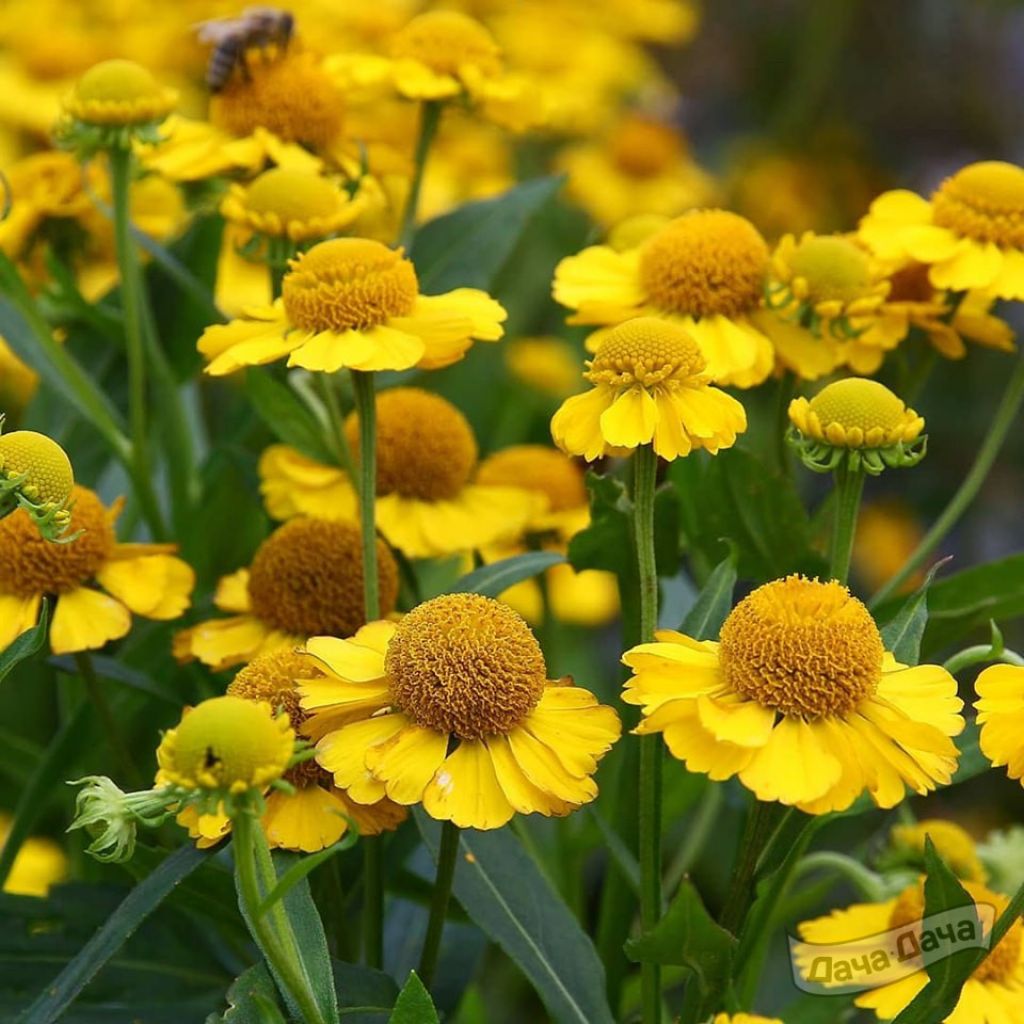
(430, 117)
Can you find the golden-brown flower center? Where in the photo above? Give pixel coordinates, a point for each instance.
(537, 468)
(447, 42)
(802, 647)
(288, 94)
(31, 565)
(306, 579)
(645, 351)
(425, 446)
(348, 284)
(644, 148)
(293, 195)
(911, 284)
(833, 267)
(858, 402)
(465, 664)
(985, 202)
(705, 263)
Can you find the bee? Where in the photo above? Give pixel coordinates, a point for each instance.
(231, 37)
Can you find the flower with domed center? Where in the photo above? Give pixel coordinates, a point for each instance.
(428, 502)
(970, 232)
(36, 475)
(452, 708)
(703, 271)
(1000, 707)
(991, 995)
(142, 578)
(650, 385)
(119, 94)
(354, 303)
(799, 699)
(305, 579)
(587, 598)
(315, 814)
(953, 844)
(857, 420)
(547, 365)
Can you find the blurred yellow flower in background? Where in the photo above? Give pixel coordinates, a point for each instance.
(548, 365)
(39, 864)
(888, 532)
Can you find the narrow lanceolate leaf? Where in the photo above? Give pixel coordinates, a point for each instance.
(494, 579)
(284, 414)
(507, 897)
(138, 905)
(29, 643)
(252, 999)
(713, 604)
(303, 866)
(414, 1005)
(902, 634)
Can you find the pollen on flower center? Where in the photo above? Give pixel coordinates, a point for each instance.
(833, 267)
(31, 565)
(645, 351)
(537, 468)
(802, 647)
(425, 446)
(983, 201)
(465, 664)
(642, 148)
(858, 402)
(704, 263)
(292, 195)
(49, 476)
(447, 42)
(348, 283)
(288, 94)
(306, 579)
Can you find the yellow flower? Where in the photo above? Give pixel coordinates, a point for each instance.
(704, 271)
(1000, 707)
(355, 303)
(305, 579)
(119, 92)
(642, 167)
(36, 473)
(226, 743)
(18, 381)
(953, 843)
(452, 708)
(990, 996)
(970, 232)
(142, 578)
(799, 700)
(549, 365)
(650, 385)
(39, 864)
(887, 534)
(744, 1018)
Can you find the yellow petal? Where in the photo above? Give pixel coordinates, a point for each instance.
(351, 660)
(17, 614)
(793, 766)
(604, 285)
(85, 620)
(376, 348)
(157, 586)
(407, 761)
(343, 754)
(629, 421)
(745, 723)
(576, 426)
(520, 792)
(545, 770)
(465, 790)
(232, 593)
(310, 819)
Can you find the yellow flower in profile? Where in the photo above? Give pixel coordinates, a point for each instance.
(990, 996)
(953, 843)
(703, 271)
(642, 167)
(316, 814)
(119, 93)
(548, 365)
(354, 303)
(799, 699)
(970, 232)
(452, 708)
(39, 864)
(650, 385)
(305, 579)
(587, 598)
(1000, 707)
(228, 744)
(144, 579)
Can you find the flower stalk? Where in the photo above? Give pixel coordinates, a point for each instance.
(430, 118)
(849, 485)
(447, 855)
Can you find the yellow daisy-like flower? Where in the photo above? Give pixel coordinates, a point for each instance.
(226, 743)
(1000, 707)
(316, 814)
(970, 232)
(953, 843)
(587, 598)
(355, 303)
(305, 579)
(144, 579)
(992, 995)
(119, 93)
(452, 708)
(799, 699)
(888, 532)
(39, 864)
(650, 385)
(548, 365)
(704, 271)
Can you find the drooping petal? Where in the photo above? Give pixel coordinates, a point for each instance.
(17, 614)
(157, 586)
(310, 819)
(576, 426)
(407, 761)
(630, 419)
(375, 348)
(85, 620)
(465, 790)
(793, 766)
(604, 285)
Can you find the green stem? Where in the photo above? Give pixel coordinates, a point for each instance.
(979, 655)
(867, 883)
(132, 299)
(849, 486)
(275, 946)
(373, 902)
(645, 466)
(98, 699)
(430, 117)
(761, 823)
(366, 410)
(784, 395)
(279, 252)
(446, 858)
(337, 441)
(1004, 418)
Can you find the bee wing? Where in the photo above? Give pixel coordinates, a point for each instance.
(217, 29)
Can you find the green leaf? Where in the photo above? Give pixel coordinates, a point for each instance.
(494, 579)
(468, 247)
(252, 999)
(902, 634)
(505, 894)
(414, 1005)
(108, 668)
(688, 936)
(137, 906)
(972, 761)
(704, 620)
(303, 866)
(284, 414)
(30, 642)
